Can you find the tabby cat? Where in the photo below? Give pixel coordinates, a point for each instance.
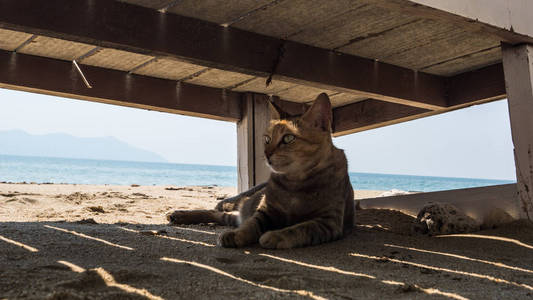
(308, 198)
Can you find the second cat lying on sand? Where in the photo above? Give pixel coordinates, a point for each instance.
(308, 198)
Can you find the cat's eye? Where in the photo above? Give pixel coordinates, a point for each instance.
(267, 139)
(288, 138)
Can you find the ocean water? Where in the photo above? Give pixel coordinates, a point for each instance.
(88, 171)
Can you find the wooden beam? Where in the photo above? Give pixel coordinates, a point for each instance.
(476, 87)
(142, 30)
(476, 202)
(369, 114)
(471, 88)
(510, 20)
(518, 66)
(60, 78)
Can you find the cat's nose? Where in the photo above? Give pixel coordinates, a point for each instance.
(267, 157)
(268, 154)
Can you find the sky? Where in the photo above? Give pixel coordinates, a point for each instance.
(473, 143)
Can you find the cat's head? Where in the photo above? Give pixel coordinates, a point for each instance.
(297, 144)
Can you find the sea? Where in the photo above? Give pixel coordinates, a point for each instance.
(88, 171)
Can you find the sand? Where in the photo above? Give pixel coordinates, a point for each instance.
(113, 242)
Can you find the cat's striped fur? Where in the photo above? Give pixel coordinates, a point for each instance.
(308, 199)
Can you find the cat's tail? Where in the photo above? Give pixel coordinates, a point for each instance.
(184, 217)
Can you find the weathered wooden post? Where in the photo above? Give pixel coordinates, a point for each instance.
(518, 69)
(251, 166)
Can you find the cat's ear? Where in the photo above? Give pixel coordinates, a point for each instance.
(274, 113)
(319, 115)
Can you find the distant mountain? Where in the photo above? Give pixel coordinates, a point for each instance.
(18, 142)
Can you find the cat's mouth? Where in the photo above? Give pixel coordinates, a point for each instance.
(277, 166)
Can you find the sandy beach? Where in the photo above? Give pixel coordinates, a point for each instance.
(113, 242)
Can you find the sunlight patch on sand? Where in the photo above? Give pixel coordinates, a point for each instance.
(488, 237)
(430, 291)
(497, 264)
(110, 281)
(378, 226)
(195, 230)
(392, 282)
(89, 237)
(73, 267)
(173, 238)
(29, 248)
(218, 271)
(476, 275)
(323, 268)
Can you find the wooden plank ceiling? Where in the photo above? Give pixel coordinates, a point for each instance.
(365, 28)
(370, 39)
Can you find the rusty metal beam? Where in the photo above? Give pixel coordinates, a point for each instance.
(60, 78)
(142, 30)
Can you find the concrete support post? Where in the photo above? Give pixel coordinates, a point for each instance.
(251, 166)
(518, 69)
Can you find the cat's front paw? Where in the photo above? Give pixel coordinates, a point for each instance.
(181, 217)
(226, 206)
(275, 240)
(231, 239)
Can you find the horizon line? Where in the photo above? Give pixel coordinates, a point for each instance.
(234, 166)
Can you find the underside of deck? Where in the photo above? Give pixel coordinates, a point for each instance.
(381, 62)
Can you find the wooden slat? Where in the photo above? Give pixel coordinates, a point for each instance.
(359, 23)
(10, 40)
(518, 66)
(482, 16)
(168, 68)
(219, 78)
(466, 63)
(289, 17)
(258, 85)
(424, 43)
(217, 11)
(343, 99)
(370, 114)
(454, 46)
(109, 24)
(55, 48)
(116, 59)
(475, 202)
(510, 20)
(59, 78)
